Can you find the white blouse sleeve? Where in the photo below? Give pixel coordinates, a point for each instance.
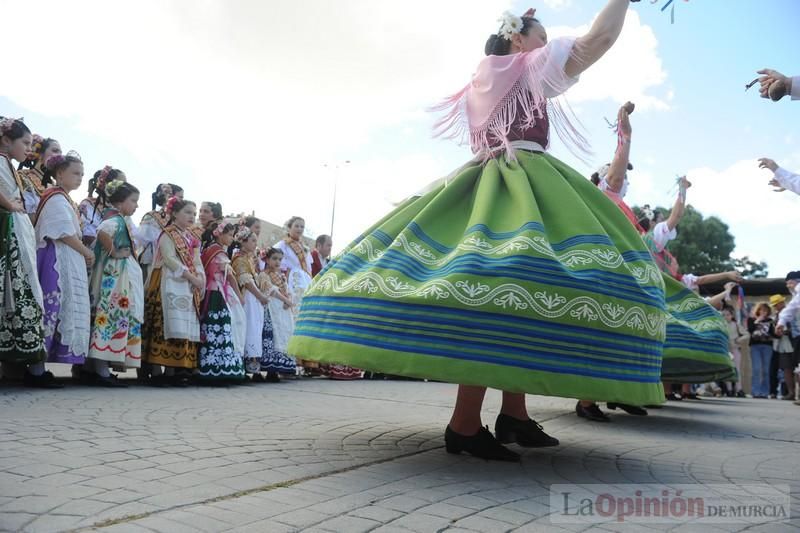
(554, 80)
(108, 227)
(788, 180)
(57, 220)
(662, 235)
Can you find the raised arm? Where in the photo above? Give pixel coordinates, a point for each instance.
(600, 38)
(680, 204)
(717, 300)
(619, 165)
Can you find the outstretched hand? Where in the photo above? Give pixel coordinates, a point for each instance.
(624, 119)
(773, 84)
(766, 162)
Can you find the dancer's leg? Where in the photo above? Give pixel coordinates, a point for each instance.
(514, 405)
(466, 419)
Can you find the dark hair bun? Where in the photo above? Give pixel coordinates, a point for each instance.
(496, 45)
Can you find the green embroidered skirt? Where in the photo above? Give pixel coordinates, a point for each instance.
(696, 348)
(520, 276)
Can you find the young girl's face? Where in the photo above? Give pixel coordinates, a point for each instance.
(53, 149)
(225, 239)
(185, 217)
(249, 245)
(205, 215)
(70, 177)
(17, 150)
(274, 261)
(297, 228)
(128, 206)
(256, 228)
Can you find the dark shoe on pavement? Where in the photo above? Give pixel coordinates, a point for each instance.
(526, 433)
(691, 396)
(630, 409)
(43, 381)
(741, 394)
(111, 382)
(672, 397)
(482, 445)
(158, 381)
(273, 377)
(179, 380)
(591, 413)
(257, 378)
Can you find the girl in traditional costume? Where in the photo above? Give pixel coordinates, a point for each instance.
(514, 272)
(21, 302)
(151, 226)
(117, 290)
(209, 213)
(175, 288)
(62, 260)
(297, 266)
(91, 208)
(32, 169)
(254, 224)
(696, 344)
(278, 320)
(244, 266)
(222, 326)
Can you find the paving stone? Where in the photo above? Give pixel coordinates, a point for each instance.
(351, 524)
(178, 460)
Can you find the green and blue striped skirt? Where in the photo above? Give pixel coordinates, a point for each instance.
(696, 347)
(519, 275)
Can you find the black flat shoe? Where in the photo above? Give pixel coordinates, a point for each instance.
(672, 397)
(630, 409)
(526, 433)
(43, 381)
(482, 445)
(691, 396)
(179, 381)
(257, 378)
(111, 382)
(591, 413)
(273, 377)
(158, 381)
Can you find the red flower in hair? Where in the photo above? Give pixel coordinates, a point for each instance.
(170, 204)
(101, 179)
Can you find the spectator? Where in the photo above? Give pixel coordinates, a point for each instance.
(321, 254)
(774, 85)
(782, 177)
(762, 331)
(782, 355)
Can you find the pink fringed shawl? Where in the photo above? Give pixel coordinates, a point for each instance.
(508, 90)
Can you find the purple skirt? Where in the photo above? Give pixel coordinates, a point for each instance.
(48, 278)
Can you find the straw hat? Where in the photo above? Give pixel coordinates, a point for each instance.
(776, 299)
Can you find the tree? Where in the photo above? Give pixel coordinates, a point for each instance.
(749, 268)
(703, 245)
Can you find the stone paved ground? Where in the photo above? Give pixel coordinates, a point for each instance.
(318, 455)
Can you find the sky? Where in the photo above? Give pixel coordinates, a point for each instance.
(272, 106)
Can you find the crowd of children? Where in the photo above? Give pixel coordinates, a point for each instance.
(176, 299)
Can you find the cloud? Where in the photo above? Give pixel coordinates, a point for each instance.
(243, 101)
(558, 4)
(249, 98)
(760, 219)
(631, 70)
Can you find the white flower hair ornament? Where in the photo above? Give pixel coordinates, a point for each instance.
(510, 24)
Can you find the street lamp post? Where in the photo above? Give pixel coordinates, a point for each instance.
(335, 187)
